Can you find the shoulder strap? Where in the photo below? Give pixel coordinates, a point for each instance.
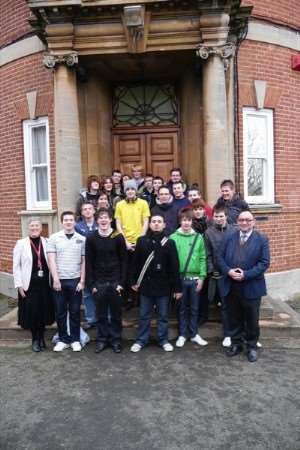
(190, 255)
(148, 261)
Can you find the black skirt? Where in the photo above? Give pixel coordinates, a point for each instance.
(37, 308)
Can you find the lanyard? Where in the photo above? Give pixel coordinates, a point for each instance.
(37, 251)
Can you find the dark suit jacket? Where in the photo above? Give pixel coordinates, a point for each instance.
(254, 266)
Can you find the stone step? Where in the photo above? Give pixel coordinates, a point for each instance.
(278, 321)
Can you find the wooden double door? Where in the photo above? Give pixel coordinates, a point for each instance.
(155, 150)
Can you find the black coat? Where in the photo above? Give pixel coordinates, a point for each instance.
(233, 207)
(162, 276)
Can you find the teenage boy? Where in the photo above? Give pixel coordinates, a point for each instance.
(85, 226)
(199, 217)
(215, 235)
(137, 177)
(132, 220)
(106, 266)
(195, 194)
(231, 201)
(148, 191)
(175, 177)
(192, 260)
(116, 176)
(165, 207)
(155, 275)
(66, 250)
(90, 195)
(180, 200)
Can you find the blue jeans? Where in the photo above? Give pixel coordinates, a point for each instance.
(146, 308)
(68, 300)
(188, 309)
(89, 306)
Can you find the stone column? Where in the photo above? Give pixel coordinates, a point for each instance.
(215, 52)
(67, 130)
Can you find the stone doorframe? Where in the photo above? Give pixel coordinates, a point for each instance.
(209, 27)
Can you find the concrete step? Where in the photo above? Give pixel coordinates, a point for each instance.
(278, 321)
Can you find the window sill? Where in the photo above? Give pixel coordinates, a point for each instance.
(37, 212)
(267, 208)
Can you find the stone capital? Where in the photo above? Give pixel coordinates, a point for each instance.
(225, 52)
(70, 59)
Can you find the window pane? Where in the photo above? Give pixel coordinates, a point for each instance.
(41, 179)
(145, 105)
(257, 137)
(39, 155)
(255, 176)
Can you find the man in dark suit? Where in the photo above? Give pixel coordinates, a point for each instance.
(243, 261)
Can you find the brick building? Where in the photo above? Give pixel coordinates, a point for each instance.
(211, 86)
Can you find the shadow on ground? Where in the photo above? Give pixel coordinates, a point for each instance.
(189, 399)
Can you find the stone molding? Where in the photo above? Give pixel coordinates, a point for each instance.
(70, 59)
(225, 52)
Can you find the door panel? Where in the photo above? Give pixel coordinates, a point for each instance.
(156, 152)
(129, 149)
(162, 153)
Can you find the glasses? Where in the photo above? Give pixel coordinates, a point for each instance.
(245, 220)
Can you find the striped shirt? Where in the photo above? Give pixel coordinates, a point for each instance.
(68, 254)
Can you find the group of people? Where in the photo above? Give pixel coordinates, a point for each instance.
(143, 238)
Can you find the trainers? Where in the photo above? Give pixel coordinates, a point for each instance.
(258, 344)
(168, 347)
(226, 342)
(135, 348)
(60, 346)
(76, 346)
(198, 340)
(180, 341)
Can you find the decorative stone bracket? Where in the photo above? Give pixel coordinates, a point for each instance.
(223, 51)
(70, 59)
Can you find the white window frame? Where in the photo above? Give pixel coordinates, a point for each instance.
(269, 180)
(31, 201)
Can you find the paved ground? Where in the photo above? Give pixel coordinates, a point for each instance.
(191, 399)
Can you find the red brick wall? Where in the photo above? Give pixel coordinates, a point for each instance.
(14, 24)
(273, 64)
(18, 78)
(281, 11)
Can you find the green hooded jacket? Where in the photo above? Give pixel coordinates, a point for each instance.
(197, 265)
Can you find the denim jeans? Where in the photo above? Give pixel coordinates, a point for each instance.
(109, 313)
(146, 308)
(68, 300)
(89, 306)
(188, 309)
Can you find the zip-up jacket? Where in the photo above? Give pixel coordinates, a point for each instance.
(197, 264)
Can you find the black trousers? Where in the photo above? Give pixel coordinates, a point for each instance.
(243, 317)
(108, 312)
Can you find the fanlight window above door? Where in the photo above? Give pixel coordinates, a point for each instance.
(145, 105)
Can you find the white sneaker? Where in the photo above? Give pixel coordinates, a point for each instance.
(60, 346)
(168, 347)
(226, 342)
(76, 346)
(180, 341)
(135, 348)
(258, 344)
(198, 340)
